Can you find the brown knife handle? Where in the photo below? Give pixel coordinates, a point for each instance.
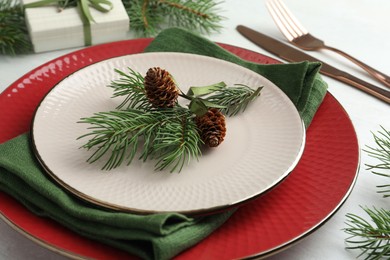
(373, 90)
(375, 73)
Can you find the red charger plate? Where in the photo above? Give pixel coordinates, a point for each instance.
(312, 193)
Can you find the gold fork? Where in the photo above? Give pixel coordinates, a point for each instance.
(300, 37)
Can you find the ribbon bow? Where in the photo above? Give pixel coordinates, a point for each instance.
(83, 5)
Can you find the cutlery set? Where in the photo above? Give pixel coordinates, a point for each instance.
(301, 38)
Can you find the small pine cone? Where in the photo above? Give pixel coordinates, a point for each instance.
(160, 88)
(212, 127)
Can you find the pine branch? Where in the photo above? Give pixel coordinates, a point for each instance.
(130, 86)
(13, 31)
(148, 17)
(234, 99)
(175, 147)
(373, 239)
(229, 100)
(168, 135)
(145, 16)
(195, 15)
(382, 153)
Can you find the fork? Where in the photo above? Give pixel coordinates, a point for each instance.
(295, 33)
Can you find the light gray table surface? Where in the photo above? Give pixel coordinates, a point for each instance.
(362, 28)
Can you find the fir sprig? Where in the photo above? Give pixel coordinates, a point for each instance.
(373, 239)
(168, 135)
(131, 87)
(382, 153)
(148, 17)
(13, 31)
(229, 100)
(235, 99)
(196, 15)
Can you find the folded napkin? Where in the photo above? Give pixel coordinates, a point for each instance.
(156, 236)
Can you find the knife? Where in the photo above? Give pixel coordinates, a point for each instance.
(293, 55)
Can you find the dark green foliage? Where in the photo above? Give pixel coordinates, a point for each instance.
(148, 17)
(371, 237)
(13, 30)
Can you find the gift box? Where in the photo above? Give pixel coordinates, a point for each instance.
(51, 29)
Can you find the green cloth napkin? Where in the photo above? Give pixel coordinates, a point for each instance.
(157, 236)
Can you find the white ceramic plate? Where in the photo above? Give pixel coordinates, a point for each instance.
(261, 147)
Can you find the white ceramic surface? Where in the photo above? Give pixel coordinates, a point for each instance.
(262, 145)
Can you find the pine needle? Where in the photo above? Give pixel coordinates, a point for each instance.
(131, 87)
(235, 99)
(13, 31)
(148, 17)
(372, 238)
(194, 15)
(382, 153)
(145, 16)
(169, 136)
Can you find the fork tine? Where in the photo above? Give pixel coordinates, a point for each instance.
(285, 20)
(279, 22)
(293, 20)
(282, 24)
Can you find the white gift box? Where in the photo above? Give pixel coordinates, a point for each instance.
(50, 29)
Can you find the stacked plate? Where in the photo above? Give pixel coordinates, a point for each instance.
(262, 147)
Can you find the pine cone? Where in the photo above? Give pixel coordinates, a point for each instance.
(212, 127)
(160, 88)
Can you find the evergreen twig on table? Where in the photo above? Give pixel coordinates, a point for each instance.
(148, 17)
(372, 238)
(145, 16)
(196, 15)
(14, 37)
(382, 153)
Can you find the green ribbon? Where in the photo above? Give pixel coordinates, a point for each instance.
(198, 105)
(196, 91)
(83, 6)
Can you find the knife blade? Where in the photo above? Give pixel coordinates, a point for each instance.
(291, 54)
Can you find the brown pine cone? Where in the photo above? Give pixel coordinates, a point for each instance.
(160, 88)
(212, 127)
